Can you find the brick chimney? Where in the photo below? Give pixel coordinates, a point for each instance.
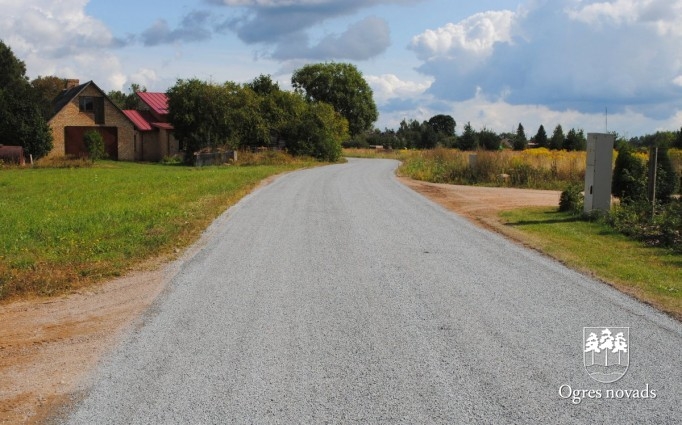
(72, 83)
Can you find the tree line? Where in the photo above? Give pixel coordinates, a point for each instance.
(440, 131)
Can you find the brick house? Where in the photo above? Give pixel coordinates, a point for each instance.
(154, 138)
(84, 107)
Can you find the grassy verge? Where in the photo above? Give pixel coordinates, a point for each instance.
(64, 228)
(653, 275)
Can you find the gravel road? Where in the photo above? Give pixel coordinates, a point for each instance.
(337, 295)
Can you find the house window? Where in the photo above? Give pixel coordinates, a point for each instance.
(92, 105)
(86, 104)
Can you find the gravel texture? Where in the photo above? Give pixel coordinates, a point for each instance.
(337, 295)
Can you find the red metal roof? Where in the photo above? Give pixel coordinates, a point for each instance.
(141, 122)
(158, 102)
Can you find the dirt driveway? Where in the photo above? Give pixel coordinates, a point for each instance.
(47, 346)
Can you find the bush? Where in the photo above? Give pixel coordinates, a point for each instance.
(94, 143)
(571, 199)
(634, 220)
(629, 177)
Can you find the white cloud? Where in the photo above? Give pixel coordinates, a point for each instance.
(145, 77)
(59, 38)
(663, 15)
(543, 54)
(475, 35)
(620, 11)
(389, 86)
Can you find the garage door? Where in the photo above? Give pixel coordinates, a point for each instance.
(74, 144)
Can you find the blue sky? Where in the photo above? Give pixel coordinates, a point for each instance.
(493, 63)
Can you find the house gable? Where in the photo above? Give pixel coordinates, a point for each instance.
(84, 107)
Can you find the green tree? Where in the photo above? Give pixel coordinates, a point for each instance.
(678, 139)
(22, 116)
(557, 140)
(199, 113)
(94, 144)
(468, 141)
(489, 140)
(127, 101)
(667, 180)
(443, 124)
(47, 89)
(541, 137)
(342, 86)
(318, 132)
(444, 127)
(263, 85)
(409, 133)
(575, 140)
(520, 140)
(629, 176)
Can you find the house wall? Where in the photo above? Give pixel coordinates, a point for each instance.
(168, 143)
(70, 115)
(151, 150)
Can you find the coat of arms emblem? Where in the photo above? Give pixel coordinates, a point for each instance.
(606, 354)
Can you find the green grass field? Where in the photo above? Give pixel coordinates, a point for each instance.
(653, 275)
(63, 228)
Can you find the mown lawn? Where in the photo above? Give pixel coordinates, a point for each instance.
(64, 228)
(653, 275)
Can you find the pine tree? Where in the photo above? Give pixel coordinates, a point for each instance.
(520, 140)
(541, 137)
(629, 176)
(557, 140)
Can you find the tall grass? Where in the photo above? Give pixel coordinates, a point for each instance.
(533, 168)
(63, 228)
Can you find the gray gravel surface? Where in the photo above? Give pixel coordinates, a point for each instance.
(337, 295)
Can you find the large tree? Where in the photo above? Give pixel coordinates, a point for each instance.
(21, 117)
(47, 89)
(443, 124)
(198, 111)
(129, 100)
(342, 86)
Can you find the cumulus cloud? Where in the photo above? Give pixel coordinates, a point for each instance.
(60, 38)
(389, 87)
(554, 53)
(56, 29)
(475, 36)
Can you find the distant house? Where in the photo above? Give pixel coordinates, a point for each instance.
(84, 107)
(154, 138)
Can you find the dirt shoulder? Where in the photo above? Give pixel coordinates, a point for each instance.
(47, 346)
(482, 204)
